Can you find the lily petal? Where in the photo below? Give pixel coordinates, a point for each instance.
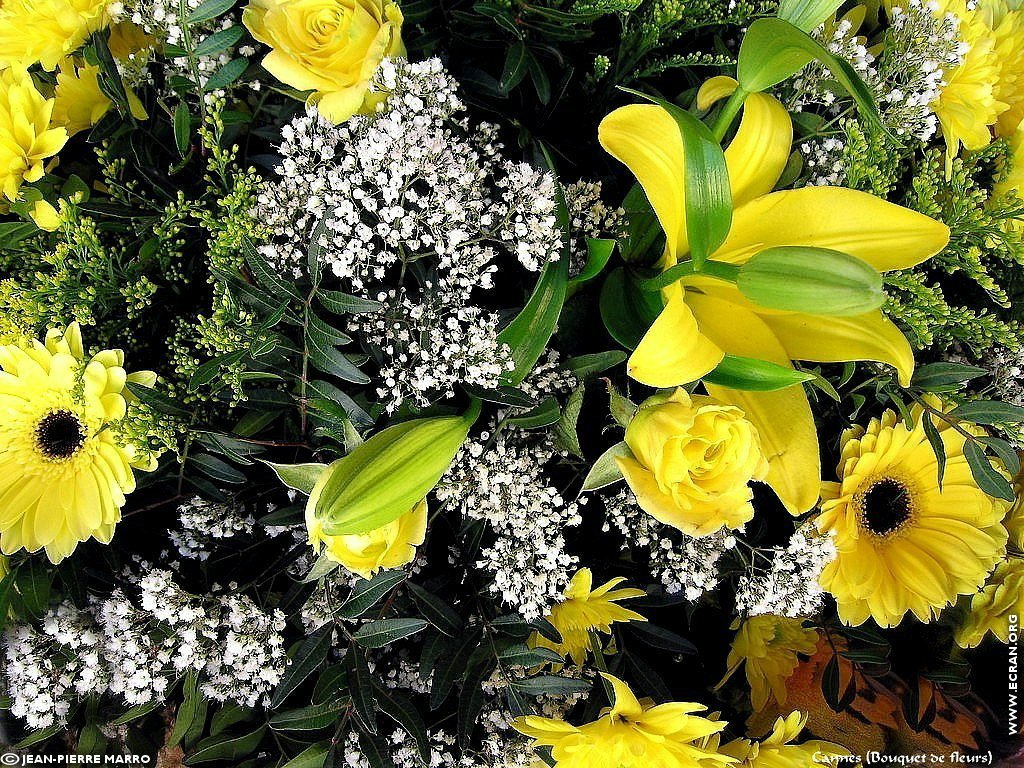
(871, 336)
(758, 153)
(885, 235)
(646, 139)
(673, 351)
(783, 417)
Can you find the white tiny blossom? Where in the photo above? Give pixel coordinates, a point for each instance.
(203, 523)
(790, 586)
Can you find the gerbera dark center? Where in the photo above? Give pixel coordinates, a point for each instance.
(887, 506)
(60, 434)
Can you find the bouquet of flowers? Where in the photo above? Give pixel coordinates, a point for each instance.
(507, 384)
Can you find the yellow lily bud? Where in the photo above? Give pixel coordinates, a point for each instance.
(818, 281)
(390, 546)
(384, 477)
(692, 460)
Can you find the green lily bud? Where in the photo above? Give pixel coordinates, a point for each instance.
(387, 475)
(808, 14)
(818, 281)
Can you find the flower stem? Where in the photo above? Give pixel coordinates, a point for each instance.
(728, 113)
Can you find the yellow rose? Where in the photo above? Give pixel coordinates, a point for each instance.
(389, 546)
(26, 138)
(330, 47)
(692, 459)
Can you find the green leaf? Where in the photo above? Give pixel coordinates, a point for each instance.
(298, 477)
(37, 737)
(1006, 453)
(210, 9)
(219, 470)
(645, 239)
(376, 750)
(158, 401)
(311, 757)
(938, 447)
(344, 304)
(136, 712)
(226, 747)
(807, 14)
(515, 68)
(311, 654)
(226, 75)
(311, 718)
(182, 127)
(599, 253)
(521, 655)
(944, 377)
(368, 592)
(659, 637)
(377, 634)
(708, 198)
(110, 77)
(360, 683)
(327, 358)
(324, 566)
(544, 415)
(985, 475)
(219, 41)
(754, 375)
(605, 470)
(503, 395)
(626, 310)
(551, 685)
(565, 431)
(773, 50)
(435, 610)
(621, 407)
(988, 412)
(585, 366)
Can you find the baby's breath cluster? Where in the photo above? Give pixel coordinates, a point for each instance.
(789, 586)
(203, 523)
(135, 648)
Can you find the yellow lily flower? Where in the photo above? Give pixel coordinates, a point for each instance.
(704, 318)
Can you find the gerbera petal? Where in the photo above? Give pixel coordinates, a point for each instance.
(646, 139)
(885, 235)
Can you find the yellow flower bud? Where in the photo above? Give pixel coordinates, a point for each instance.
(390, 546)
(330, 47)
(384, 477)
(692, 460)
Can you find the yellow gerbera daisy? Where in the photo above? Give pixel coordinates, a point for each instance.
(630, 733)
(705, 319)
(767, 646)
(904, 543)
(26, 138)
(777, 750)
(45, 31)
(584, 610)
(64, 471)
(992, 607)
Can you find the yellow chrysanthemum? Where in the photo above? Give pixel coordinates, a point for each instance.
(905, 544)
(585, 610)
(992, 607)
(390, 546)
(46, 31)
(64, 473)
(26, 138)
(777, 750)
(632, 733)
(78, 101)
(767, 646)
(1007, 30)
